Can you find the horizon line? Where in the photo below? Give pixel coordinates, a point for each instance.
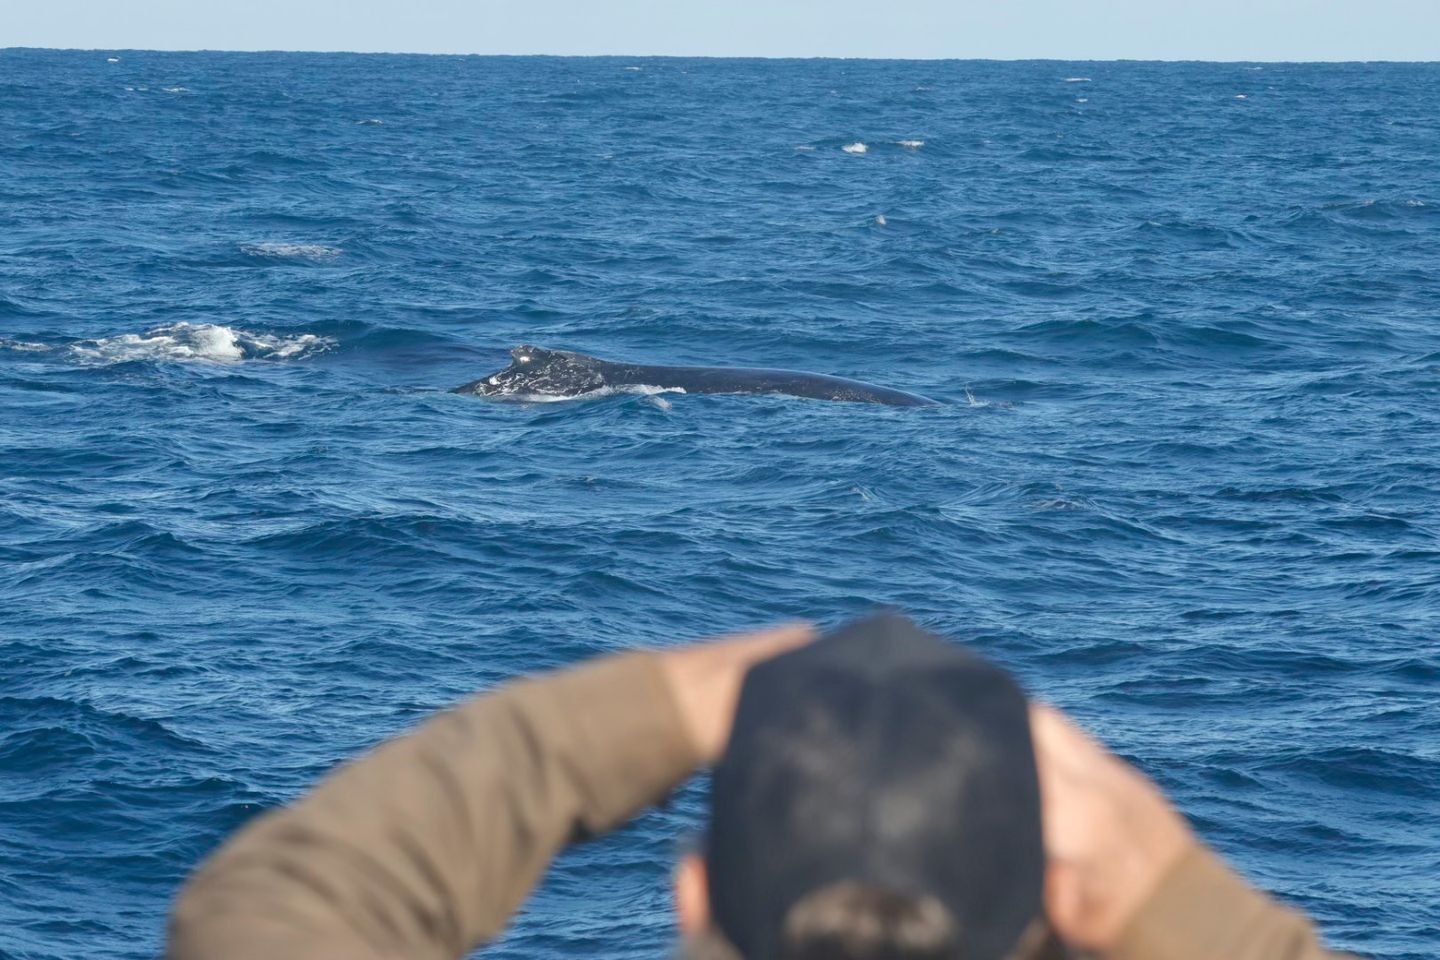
(704, 56)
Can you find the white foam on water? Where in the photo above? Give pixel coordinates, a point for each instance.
(112, 59)
(804, 146)
(1241, 96)
(660, 403)
(1082, 99)
(633, 69)
(176, 89)
(639, 389)
(269, 248)
(1077, 79)
(1415, 203)
(856, 147)
(23, 346)
(911, 144)
(198, 341)
(370, 122)
(880, 220)
(973, 401)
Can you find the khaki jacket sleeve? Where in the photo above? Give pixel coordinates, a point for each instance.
(424, 848)
(1203, 910)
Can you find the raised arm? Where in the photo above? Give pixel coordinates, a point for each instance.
(427, 846)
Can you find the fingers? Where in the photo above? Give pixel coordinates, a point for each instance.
(1064, 744)
(1110, 835)
(705, 679)
(760, 645)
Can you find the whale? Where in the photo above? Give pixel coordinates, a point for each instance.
(536, 372)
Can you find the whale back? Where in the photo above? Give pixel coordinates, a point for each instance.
(541, 372)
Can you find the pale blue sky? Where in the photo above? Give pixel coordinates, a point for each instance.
(1001, 29)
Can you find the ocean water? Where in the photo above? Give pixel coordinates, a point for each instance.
(1185, 320)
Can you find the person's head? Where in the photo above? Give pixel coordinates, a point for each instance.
(877, 801)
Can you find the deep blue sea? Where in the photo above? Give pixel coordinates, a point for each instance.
(1185, 319)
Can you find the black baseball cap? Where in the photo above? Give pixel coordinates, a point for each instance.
(879, 755)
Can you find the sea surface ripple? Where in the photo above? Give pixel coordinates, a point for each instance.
(1183, 316)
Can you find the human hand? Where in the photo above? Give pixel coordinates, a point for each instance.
(705, 679)
(1110, 834)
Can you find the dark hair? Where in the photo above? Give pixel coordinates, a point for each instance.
(853, 921)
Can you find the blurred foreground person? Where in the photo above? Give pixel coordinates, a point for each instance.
(880, 795)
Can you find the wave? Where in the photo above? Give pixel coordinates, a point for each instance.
(856, 147)
(199, 341)
(37, 723)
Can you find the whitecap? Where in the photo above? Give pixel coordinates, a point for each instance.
(1077, 79)
(804, 146)
(1415, 203)
(112, 59)
(269, 248)
(198, 341)
(911, 144)
(369, 123)
(880, 220)
(22, 346)
(1082, 99)
(176, 89)
(633, 69)
(856, 147)
(1241, 96)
